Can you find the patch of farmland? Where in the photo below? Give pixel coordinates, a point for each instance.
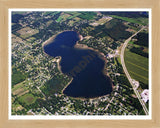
(73, 16)
(27, 32)
(73, 13)
(63, 17)
(139, 20)
(87, 15)
(31, 39)
(19, 89)
(74, 20)
(137, 66)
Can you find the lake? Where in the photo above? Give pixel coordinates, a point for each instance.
(84, 65)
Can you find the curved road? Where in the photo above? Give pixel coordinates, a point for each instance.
(127, 74)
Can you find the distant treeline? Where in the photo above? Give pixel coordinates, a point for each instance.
(127, 14)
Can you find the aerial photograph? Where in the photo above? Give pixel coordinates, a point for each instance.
(79, 63)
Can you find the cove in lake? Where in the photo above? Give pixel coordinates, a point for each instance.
(84, 65)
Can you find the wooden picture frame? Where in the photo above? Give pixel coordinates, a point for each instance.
(4, 115)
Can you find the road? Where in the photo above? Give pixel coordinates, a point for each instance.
(41, 91)
(127, 74)
(109, 103)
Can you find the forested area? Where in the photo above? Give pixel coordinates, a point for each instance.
(130, 14)
(142, 39)
(17, 76)
(16, 27)
(16, 18)
(139, 51)
(54, 85)
(114, 28)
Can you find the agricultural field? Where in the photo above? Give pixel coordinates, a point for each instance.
(27, 32)
(63, 17)
(73, 16)
(74, 20)
(20, 89)
(137, 66)
(87, 15)
(31, 39)
(73, 13)
(142, 21)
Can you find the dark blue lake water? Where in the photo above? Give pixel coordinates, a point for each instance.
(84, 65)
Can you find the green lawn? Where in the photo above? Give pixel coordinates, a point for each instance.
(27, 99)
(137, 66)
(140, 20)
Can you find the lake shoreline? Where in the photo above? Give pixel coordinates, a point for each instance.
(79, 46)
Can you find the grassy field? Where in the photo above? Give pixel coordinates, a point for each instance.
(137, 66)
(142, 21)
(27, 99)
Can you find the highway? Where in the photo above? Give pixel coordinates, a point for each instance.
(127, 74)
